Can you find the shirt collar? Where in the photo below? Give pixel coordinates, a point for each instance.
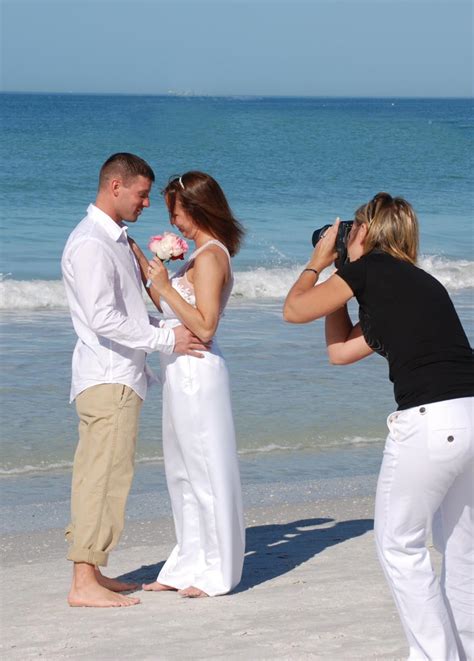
(113, 229)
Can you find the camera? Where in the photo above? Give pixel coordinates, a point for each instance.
(341, 240)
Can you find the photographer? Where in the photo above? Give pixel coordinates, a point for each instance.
(425, 481)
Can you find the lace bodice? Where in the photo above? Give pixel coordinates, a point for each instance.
(185, 289)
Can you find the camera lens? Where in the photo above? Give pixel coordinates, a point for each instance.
(317, 234)
(341, 240)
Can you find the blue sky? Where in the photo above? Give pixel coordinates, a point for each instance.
(237, 47)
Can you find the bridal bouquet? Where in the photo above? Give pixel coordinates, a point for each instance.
(168, 246)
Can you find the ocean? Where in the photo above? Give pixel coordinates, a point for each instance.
(288, 166)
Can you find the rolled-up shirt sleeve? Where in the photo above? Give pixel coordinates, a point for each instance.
(98, 293)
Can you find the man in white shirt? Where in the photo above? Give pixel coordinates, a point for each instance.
(109, 372)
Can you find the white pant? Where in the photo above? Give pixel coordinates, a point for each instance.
(426, 485)
(202, 474)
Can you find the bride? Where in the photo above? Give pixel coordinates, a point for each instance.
(199, 447)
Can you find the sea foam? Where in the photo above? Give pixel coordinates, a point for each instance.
(7, 470)
(259, 283)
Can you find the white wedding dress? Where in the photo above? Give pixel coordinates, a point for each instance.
(201, 462)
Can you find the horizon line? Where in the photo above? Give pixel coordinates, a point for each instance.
(190, 95)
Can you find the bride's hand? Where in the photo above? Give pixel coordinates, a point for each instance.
(137, 251)
(158, 275)
(132, 243)
(140, 257)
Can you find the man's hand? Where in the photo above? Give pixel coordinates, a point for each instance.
(186, 342)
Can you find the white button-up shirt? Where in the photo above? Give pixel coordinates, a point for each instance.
(109, 315)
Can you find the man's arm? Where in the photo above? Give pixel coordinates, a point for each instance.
(94, 274)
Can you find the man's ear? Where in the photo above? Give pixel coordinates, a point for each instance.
(115, 186)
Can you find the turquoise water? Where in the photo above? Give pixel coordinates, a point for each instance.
(287, 166)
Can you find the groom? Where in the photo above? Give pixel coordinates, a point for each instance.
(109, 373)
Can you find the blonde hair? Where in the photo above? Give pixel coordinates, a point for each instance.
(392, 226)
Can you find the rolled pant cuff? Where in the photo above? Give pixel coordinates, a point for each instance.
(97, 558)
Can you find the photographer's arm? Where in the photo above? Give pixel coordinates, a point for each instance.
(345, 342)
(304, 301)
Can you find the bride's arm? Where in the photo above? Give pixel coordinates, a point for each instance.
(210, 274)
(143, 264)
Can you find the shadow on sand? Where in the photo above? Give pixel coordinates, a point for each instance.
(275, 549)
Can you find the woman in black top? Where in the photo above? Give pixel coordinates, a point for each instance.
(426, 479)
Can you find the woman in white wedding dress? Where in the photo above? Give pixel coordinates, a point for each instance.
(199, 447)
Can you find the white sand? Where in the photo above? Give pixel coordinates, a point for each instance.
(312, 589)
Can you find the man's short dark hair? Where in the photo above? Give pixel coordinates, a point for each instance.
(126, 166)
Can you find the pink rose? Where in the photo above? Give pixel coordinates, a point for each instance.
(168, 246)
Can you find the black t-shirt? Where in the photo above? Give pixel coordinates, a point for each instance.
(406, 316)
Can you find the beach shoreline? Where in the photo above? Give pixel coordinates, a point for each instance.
(311, 589)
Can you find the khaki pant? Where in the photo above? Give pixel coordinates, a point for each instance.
(103, 470)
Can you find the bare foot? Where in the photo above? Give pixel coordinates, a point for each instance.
(87, 591)
(113, 584)
(192, 593)
(156, 587)
(96, 596)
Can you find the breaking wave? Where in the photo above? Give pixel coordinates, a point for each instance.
(259, 283)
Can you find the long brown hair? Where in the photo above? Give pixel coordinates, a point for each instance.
(392, 226)
(204, 200)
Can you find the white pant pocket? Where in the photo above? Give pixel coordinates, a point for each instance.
(448, 444)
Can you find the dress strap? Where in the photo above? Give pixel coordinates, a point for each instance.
(184, 269)
(214, 242)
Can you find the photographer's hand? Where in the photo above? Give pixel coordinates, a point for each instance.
(324, 253)
(306, 302)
